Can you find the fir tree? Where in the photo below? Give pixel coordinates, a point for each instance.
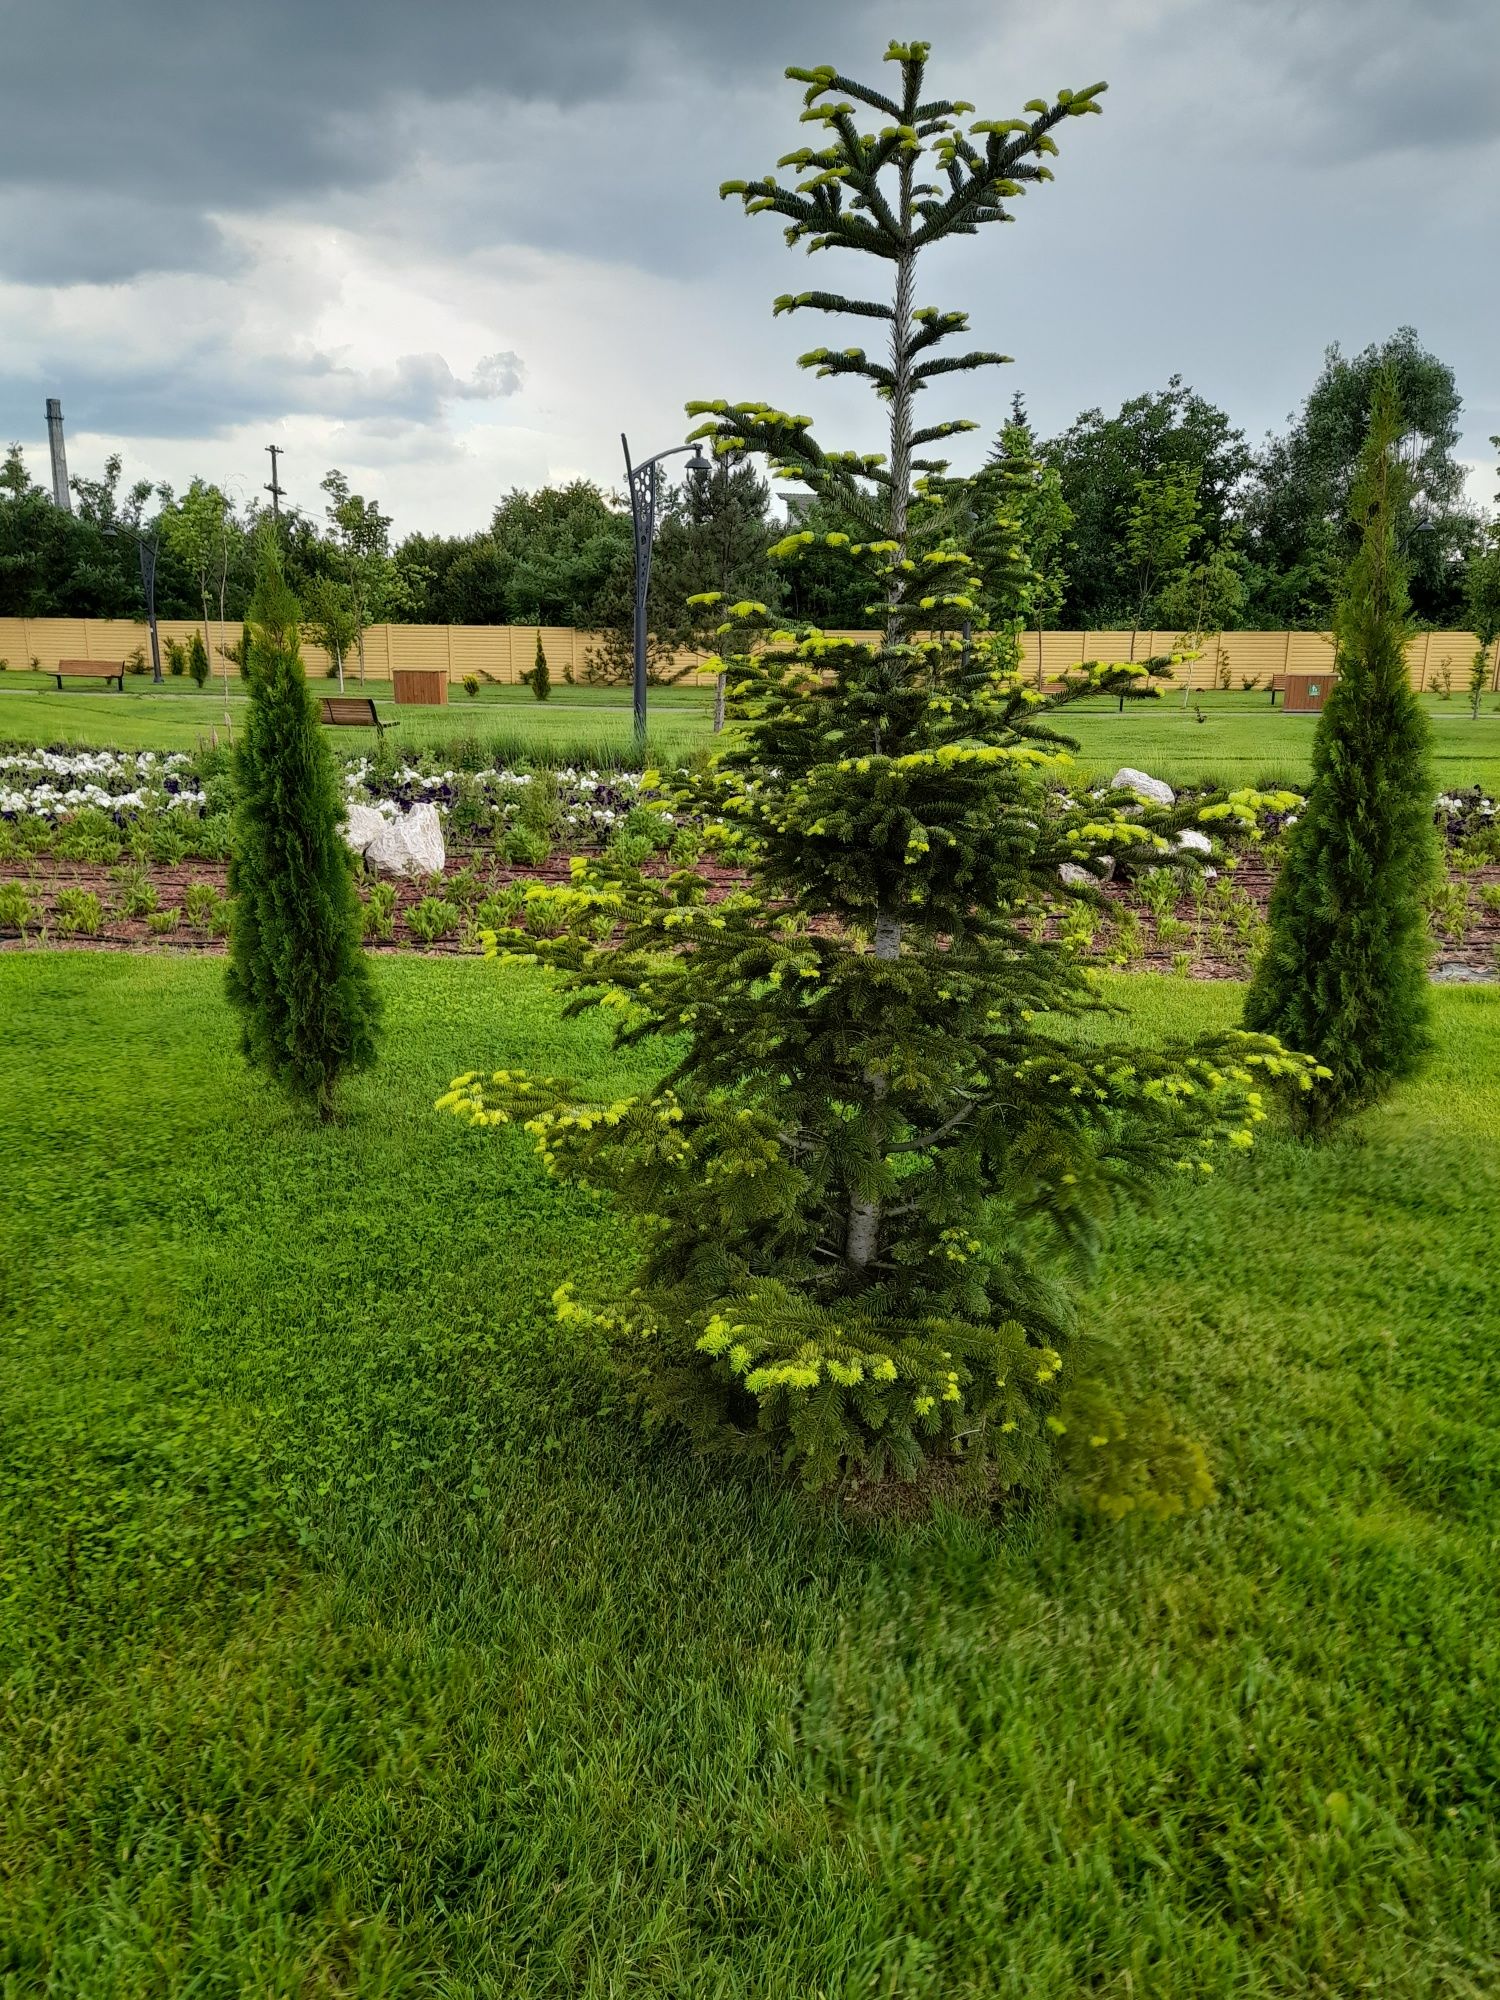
(857, 1183)
(197, 660)
(1344, 975)
(296, 971)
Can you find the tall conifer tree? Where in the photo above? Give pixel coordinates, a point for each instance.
(857, 1183)
(297, 974)
(1344, 975)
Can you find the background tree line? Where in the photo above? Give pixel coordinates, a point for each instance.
(1161, 516)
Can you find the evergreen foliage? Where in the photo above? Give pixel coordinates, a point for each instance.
(1344, 975)
(307, 1000)
(539, 680)
(886, 1126)
(197, 660)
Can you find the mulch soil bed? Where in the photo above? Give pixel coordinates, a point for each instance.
(1476, 955)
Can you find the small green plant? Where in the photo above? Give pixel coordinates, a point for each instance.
(541, 804)
(135, 661)
(687, 847)
(432, 919)
(378, 911)
(465, 888)
(176, 658)
(1450, 914)
(1171, 930)
(197, 660)
(204, 907)
(1129, 943)
(160, 922)
(525, 846)
(1489, 898)
(1161, 890)
(499, 910)
(1182, 963)
(78, 913)
(1442, 680)
(1249, 682)
(539, 680)
(160, 838)
(642, 832)
(137, 890)
(90, 835)
(471, 685)
(17, 911)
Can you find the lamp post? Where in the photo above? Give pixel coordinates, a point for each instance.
(147, 551)
(643, 494)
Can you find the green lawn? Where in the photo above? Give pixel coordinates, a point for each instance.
(177, 717)
(1241, 739)
(355, 1644)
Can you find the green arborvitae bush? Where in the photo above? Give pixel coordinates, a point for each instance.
(197, 660)
(176, 658)
(882, 1131)
(296, 972)
(1344, 974)
(539, 680)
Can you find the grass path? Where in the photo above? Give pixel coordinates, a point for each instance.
(355, 1644)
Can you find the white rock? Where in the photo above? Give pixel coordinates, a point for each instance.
(1155, 789)
(1198, 843)
(362, 825)
(411, 844)
(1074, 877)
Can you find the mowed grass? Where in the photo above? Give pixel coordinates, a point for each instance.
(355, 1643)
(176, 716)
(1240, 740)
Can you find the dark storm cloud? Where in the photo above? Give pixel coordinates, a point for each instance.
(203, 392)
(174, 108)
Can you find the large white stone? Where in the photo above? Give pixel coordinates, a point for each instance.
(1144, 787)
(1074, 877)
(362, 825)
(410, 844)
(1195, 842)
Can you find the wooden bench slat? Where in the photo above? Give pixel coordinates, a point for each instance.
(94, 670)
(346, 711)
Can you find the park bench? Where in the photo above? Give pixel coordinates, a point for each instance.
(351, 711)
(1278, 686)
(97, 670)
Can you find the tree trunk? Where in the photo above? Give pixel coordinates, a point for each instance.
(361, 659)
(720, 681)
(863, 1237)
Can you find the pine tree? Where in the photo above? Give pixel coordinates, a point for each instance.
(296, 971)
(858, 1183)
(1344, 975)
(197, 660)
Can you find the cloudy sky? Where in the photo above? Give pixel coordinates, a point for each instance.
(458, 247)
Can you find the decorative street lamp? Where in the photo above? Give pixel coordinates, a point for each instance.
(147, 551)
(643, 492)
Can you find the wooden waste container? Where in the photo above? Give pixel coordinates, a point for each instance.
(1306, 693)
(420, 687)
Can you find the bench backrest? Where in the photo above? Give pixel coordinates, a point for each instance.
(106, 669)
(349, 708)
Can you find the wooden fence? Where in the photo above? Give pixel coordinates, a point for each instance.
(505, 652)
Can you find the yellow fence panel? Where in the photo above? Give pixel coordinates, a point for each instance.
(505, 652)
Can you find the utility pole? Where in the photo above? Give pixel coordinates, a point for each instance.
(60, 494)
(275, 488)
